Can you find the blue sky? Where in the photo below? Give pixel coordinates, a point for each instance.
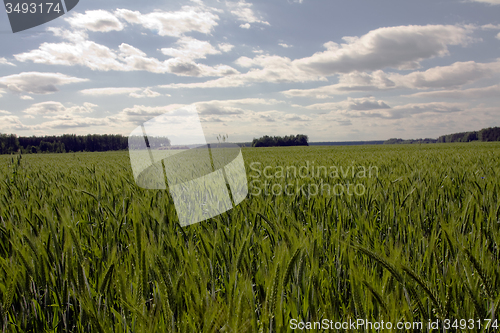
(334, 70)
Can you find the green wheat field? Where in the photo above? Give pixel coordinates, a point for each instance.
(83, 249)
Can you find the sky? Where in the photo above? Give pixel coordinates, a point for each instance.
(333, 70)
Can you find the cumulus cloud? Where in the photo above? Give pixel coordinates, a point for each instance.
(207, 109)
(295, 117)
(138, 114)
(273, 69)
(356, 104)
(490, 26)
(231, 107)
(127, 58)
(10, 123)
(146, 93)
(36, 82)
(95, 20)
(401, 47)
(225, 47)
(174, 24)
(244, 101)
(286, 46)
(396, 47)
(55, 109)
(84, 53)
(471, 93)
(71, 121)
(186, 67)
(455, 75)
(491, 2)
(75, 36)
(132, 92)
(190, 48)
(4, 61)
(244, 12)
(370, 108)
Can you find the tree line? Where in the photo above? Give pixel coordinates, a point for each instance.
(486, 134)
(10, 143)
(278, 141)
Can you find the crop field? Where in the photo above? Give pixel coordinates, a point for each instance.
(390, 232)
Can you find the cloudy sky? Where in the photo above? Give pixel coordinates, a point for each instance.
(334, 70)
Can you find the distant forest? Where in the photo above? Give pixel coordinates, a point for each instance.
(74, 143)
(61, 144)
(278, 141)
(486, 134)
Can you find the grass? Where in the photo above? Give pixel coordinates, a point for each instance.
(83, 249)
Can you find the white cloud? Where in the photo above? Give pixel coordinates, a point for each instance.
(286, 46)
(132, 92)
(498, 36)
(491, 2)
(355, 104)
(95, 20)
(186, 67)
(75, 36)
(36, 82)
(190, 48)
(370, 108)
(455, 75)
(84, 53)
(294, 117)
(490, 26)
(109, 91)
(401, 47)
(244, 12)
(4, 61)
(225, 47)
(146, 93)
(471, 93)
(205, 109)
(138, 114)
(133, 59)
(274, 69)
(53, 109)
(397, 47)
(71, 121)
(10, 122)
(174, 24)
(217, 83)
(127, 58)
(226, 107)
(26, 97)
(4, 112)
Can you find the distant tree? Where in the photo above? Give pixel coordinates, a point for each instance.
(278, 141)
(65, 143)
(489, 134)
